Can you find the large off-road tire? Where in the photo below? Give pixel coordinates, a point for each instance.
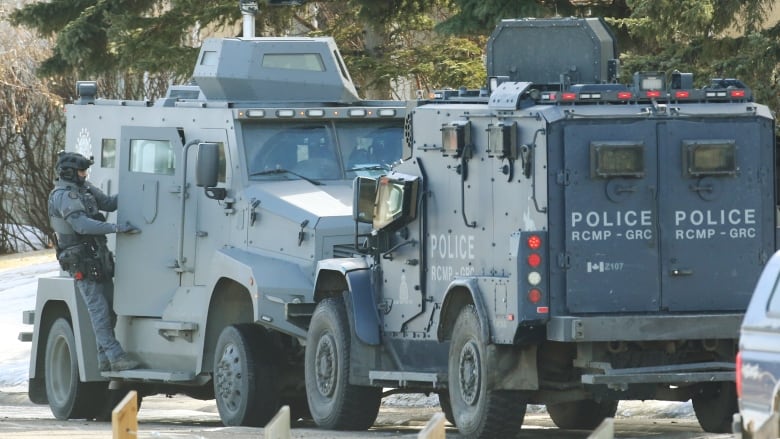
(446, 407)
(584, 414)
(69, 398)
(334, 402)
(479, 412)
(245, 377)
(715, 406)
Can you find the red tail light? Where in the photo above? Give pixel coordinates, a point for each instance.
(739, 374)
(624, 95)
(534, 278)
(737, 93)
(569, 96)
(653, 94)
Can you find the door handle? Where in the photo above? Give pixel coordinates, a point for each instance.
(627, 188)
(702, 188)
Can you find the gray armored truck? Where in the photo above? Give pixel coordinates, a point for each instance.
(239, 184)
(556, 239)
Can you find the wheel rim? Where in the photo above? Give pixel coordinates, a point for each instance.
(229, 374)
(468, 373)
(61, 370)
(326, 365)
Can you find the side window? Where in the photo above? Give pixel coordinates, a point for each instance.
(709, 157)
(152, 157)
(108, 153)
(311, 62)
(617, 159)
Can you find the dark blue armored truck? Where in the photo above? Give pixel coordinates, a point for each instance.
(206, 294)
(557, 239)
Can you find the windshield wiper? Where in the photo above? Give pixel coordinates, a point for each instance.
(286, 171)
(371, 167)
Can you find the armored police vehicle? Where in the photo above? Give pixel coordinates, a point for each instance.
(558, 239)
(274, 133)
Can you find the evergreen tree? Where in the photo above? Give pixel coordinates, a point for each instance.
(381, 40)
(434, 43)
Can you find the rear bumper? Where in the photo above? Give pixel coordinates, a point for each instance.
(675, 373)
(642, 328)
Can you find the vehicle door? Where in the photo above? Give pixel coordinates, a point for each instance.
(611, 238)
(715, 212)
(214, 224)
(401, 297)
(150, 171)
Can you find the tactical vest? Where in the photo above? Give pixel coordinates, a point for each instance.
(83, 256)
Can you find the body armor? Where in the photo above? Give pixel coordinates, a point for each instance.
(74, 214)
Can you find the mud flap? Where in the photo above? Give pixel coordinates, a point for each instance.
(361, 297)
(512, 368)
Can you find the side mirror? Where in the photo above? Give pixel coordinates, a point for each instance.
(364, 196)
(396, 201)
(207, 170)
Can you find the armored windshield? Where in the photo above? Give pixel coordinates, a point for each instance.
(320, 151)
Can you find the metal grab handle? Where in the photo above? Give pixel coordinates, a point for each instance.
(702, 188)
(463, 168)
(627, 188)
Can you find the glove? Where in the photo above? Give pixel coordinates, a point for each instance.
(127, 228)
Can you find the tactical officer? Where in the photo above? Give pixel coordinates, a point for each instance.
(74, 213)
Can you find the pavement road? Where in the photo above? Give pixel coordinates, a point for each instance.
(184, 418)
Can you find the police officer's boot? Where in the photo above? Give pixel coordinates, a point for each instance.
(124, 363)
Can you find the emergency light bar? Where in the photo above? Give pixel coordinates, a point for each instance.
(646, 87)
(676, 96)
(315, 113)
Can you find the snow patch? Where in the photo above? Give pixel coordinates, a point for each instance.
(24, 238)
(626, 409)
(17, 293)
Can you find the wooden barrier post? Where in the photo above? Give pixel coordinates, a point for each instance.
(769, 429)
(279, 426)
(606, 430)
(434, 429)
(124, 417)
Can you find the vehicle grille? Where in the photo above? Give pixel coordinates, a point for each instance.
(343, 251)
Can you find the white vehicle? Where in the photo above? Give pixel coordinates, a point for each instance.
(209, 295)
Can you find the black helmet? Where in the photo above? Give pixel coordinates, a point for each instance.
(68, 163)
